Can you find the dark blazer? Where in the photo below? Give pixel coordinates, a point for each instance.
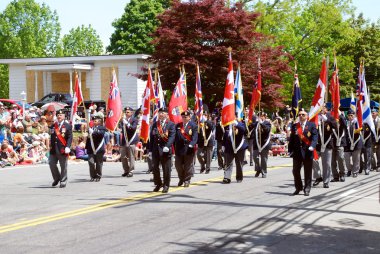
(239, 131)
(97, 137)
(350, 132)
(157, 143)
(181, 143)
(209, 127)
(130, 128)
(328, 126)
(367, 136)
(342, 131)
(55, 143)
(219, 130)
(262, 138)
(377, 129)
(299, 149)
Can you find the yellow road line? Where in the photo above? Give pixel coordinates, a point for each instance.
(105, 205)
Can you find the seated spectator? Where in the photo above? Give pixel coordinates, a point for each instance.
(42, 132)
(18, 138)
(37, 153)
(28, 124)
(24, 154)
(80, 150)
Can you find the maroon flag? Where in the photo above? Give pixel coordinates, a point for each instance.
(334, 90)
(114, 106)
(256, 94)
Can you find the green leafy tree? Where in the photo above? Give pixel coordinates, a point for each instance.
(307, 29)
(82, 41)
(133, 29)
(27, 29)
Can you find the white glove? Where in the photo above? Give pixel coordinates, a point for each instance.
(223, 148)
(150, 155)
(90, 130)
(165, 149)
(324, 118)
(67, 150)
(125, 121)
(190, 146)
(260, 121)
(234, 123)
(311, 148)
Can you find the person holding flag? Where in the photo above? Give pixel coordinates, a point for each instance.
(205, 143)
(261, 143)
(354, 145)
(185, 141)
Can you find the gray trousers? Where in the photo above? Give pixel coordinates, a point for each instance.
(355, 165)
(127, 155)
(317, 173)
(53, 160)
(239, 162)
(262, 162)
(366, 161)
(204, 155)
(326, 165)
(250, 149)
(185, 166)
(375, 156)
(95, 163)
(337, 160)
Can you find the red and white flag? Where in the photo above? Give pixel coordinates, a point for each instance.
(319, 95)
(178, 101)
(145, 108)
(77, 98)
(228, 109)
(334, 90)
(114, 106)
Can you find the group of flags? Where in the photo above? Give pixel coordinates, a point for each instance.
(360, 105)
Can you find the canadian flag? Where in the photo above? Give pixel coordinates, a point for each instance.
(228, 109)
(145, 108)
(319, 95)
(77, 98)
(114, 106)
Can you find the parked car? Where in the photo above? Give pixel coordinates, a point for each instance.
(9, 102)
(59, 97)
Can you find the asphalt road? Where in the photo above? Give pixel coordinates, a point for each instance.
(122, 215)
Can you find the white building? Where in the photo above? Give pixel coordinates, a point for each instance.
(41, 76)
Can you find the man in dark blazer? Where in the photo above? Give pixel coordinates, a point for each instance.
(205, 143)
(302, 143)
(234, 146)
(60, 146)
(261, 144)
(185, 141)
(339, 142)
(95, 148)
(129, 138)
(161, 141)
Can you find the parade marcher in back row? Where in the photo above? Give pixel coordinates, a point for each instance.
(205, 143)
(161, 141)
(339, 142)
(185, 141)
(354, 145)
(219, 133)
(96, 148)
(261, 144)
(365, 163)
(325, 145)
(376, 141)
(302, 143)
(60, 143)
(129, 138)
(234, 146)
(249, 123)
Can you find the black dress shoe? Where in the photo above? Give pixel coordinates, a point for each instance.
(62, 185)
(367, 173)
(360, 171)
(226, 180)
(251, 164)
(349, 173)
(55, 183)
(317, 181)
(97, 179)
(207, 172)
(92, 179)
(187, 184)
(354, 175)
(202, 170)
(157, 188)
(335, 180)
(307, 193)
(180, 183)
(342, 179)
(296, 192)
(130, 174)
(165, 189)
(325, 185)
(257, 173)
(124, 174)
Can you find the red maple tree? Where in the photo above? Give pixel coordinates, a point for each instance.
(202, 31)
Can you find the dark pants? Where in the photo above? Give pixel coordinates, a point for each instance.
(53, 160)
(166, 163)
(308, 168)
(239, 160)
(220, 155)
(204, 155)
(185, 167)
(95, 162)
